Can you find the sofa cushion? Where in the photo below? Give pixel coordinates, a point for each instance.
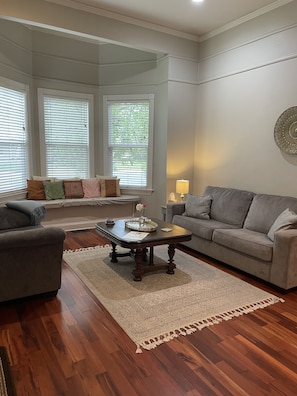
(199, 227)
(198, 207)
(54, 189)
(245, 241)
(34, 209)
(229, 205)
(10, 219)
(73, 189)
(286, 219)
(265, 209)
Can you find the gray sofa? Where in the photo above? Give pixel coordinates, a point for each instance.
(255, 233)
(30, 255)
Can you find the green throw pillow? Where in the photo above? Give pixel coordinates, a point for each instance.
(53, 190)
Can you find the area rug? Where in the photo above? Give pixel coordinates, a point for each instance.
(162, 307)
(6, 384)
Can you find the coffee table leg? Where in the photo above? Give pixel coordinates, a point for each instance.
(113, 253)
(137, 272)
(171, 265)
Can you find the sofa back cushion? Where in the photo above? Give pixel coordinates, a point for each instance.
(229, 205)
(265, 209)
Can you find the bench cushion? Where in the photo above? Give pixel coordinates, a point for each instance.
(100, 201)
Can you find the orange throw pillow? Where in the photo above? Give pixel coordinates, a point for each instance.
(35, 190)
(110, 187)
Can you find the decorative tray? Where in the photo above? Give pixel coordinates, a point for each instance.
(147, 226)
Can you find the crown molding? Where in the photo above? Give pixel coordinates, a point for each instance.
(123, 18)
(246, 18)
(76, 4)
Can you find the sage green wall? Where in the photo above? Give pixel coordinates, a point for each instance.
(246, 80)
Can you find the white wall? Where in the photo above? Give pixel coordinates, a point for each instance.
(182, 107)
(245, 82)
(120, 70)
(215, 121)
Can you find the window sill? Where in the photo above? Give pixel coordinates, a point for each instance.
(136, 191)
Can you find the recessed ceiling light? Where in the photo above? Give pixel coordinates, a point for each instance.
(197, 1)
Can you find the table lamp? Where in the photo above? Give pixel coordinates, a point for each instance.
(182, 188)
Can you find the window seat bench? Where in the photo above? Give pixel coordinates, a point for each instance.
(83, 213)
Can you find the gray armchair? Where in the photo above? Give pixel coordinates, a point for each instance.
(30, 255)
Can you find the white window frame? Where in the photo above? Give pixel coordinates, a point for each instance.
(23, 88)
(67, 95)
(107, 99)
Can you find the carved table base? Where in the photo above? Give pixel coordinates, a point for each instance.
(142, 265)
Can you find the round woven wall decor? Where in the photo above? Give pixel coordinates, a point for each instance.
(285, 131)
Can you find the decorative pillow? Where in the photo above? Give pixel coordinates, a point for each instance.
(73, 189)
(91, 188)
(35, 190)
(35, 210)
(198, 207)
(286, 219)
(53, 190)
(110, 187)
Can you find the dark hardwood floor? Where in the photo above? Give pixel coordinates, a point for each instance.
(70, 345)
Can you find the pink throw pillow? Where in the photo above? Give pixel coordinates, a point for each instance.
(91, 188)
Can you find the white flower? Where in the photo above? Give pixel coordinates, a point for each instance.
(140, 207)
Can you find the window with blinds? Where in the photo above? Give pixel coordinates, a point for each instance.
(66, 148)
(14, 146)
(129, 137)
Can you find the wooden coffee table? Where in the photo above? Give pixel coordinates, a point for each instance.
(138, 249)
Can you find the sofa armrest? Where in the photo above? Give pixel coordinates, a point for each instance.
(173, 209)
(35, 236)
(284, 261)
(34, 209)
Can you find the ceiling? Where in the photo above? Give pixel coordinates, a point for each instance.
(179, 17)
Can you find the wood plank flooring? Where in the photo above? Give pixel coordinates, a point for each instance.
(70, 345)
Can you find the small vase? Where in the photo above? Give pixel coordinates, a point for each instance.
(141, 219)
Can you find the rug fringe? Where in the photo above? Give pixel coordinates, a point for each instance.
(87, 248)
(193, 327)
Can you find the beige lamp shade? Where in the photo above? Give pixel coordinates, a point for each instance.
(182, 187)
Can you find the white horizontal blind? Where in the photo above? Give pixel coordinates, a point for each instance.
(66, 137)
(13, 141)
(129, 142)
